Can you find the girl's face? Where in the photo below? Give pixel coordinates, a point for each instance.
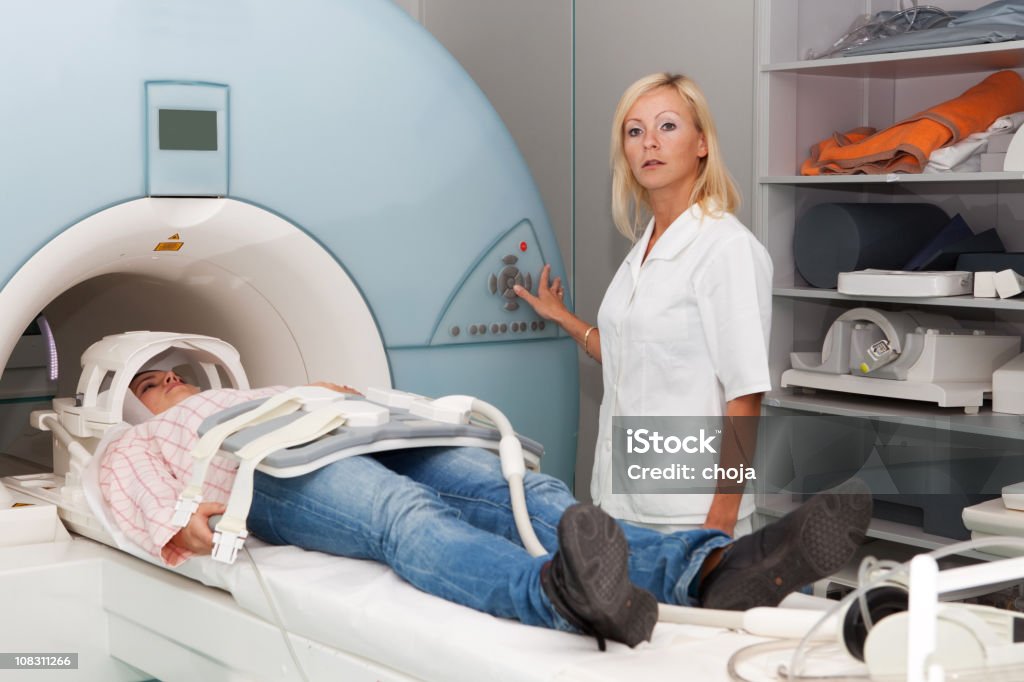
(661, 143)
(159, 390)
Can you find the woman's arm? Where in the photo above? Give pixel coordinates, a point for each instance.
(549, 304)
(140, 492)
(739, 441)
(734, 296)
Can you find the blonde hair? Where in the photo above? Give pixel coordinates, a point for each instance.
(714, 190)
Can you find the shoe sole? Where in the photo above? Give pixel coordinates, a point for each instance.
(825, 532)
(596, 551)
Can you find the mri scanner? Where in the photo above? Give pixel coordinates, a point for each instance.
(318, 183)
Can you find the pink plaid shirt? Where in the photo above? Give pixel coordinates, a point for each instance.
(144, 470)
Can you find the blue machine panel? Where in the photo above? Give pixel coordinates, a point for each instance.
(186, 139)
(484, 307)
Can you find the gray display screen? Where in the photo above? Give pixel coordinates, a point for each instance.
(188, 129)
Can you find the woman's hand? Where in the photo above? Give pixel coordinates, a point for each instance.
(549, 302)
(196, 537)
(336, 387)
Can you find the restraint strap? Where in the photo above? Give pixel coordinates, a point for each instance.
(230, 532)
(209, 445)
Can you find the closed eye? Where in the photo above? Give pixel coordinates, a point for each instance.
(144, 385)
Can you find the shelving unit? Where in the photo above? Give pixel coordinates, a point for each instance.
(800, 102)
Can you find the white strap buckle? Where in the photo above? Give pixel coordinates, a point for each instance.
(451, 409)
(226, 544)
(184, 508)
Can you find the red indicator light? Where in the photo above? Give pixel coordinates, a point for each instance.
(522, 246)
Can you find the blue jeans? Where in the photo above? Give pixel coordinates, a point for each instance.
(441, 519)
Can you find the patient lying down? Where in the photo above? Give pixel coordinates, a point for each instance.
(441, 518)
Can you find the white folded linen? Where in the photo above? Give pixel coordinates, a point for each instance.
(965, 156)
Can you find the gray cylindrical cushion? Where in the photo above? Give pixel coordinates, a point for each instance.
(842, 237)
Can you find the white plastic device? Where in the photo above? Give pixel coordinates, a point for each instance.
(902, 283)
(392, 397)
(1013, 498)
(931, 359)
(451, 409)
(1008, 387)
(109, 365)
(998, 517)
(985, 285)
(1009, 284)
(357, 412)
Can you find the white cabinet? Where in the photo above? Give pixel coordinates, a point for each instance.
(800, 102)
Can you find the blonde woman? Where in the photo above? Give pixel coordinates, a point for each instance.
(683, 328)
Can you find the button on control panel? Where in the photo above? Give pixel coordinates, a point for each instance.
(502, 283)
(486, 307)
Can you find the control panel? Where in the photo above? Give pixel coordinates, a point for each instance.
(485, 307)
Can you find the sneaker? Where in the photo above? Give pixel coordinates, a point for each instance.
(809, 543)
(587, 580)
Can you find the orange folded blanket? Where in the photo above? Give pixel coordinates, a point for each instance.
(906, 146)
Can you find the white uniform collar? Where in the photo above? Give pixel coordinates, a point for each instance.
(678, 236)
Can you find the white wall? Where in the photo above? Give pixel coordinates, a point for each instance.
(521, 53)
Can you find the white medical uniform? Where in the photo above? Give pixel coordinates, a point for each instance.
(682, 334)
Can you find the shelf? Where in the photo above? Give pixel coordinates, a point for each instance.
(909, 412)
(942, 301)
(891, 178)
(776, 506)
(912, 64)
(798, 103)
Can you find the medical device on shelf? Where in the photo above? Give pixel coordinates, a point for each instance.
(1004, 284)
(1008, 387)
(1013, 497)
(903, 283)
(287, 435)
(1008, 283)
(895, 624)
(1002, 516)
(985, 285)
(910, 355)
